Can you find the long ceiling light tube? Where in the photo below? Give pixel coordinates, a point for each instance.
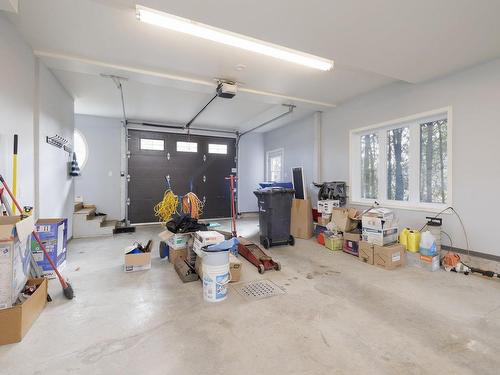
(200, 30)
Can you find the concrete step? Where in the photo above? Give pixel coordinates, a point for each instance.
(88, 211)
(87, 224)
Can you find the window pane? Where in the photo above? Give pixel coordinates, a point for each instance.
(214, 148)
(81, 149)
(152, 144)
(275, 167)
(187, 146)
(433, 161)
(398, 141)
(369, 166)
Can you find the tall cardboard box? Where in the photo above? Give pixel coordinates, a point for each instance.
(54, 235)
(15, 249)
(301, 224)
(17, 320)
(389, 257)
(365, 254)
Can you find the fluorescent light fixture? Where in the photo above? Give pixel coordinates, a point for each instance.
(184, 25)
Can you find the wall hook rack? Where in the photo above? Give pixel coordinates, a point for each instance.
(59, 142)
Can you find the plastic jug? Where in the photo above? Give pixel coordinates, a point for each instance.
(413, 242)
(428, 244)
(403, 237)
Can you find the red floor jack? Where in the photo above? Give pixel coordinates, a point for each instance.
(250, 251)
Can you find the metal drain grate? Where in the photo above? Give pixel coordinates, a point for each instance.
(259, 289)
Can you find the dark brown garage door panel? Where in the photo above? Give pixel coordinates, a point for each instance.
(200, 172)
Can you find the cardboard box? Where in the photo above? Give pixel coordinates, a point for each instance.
(388, 257)
(174, 254)
(323, 221)
(345, 219)
(202, 239)
(351, 243)
(137, 262)
(16, 321)
(15, 253)
(175, 240)
(326, 206)
(54, 236)
(365, 254)
(301, 224)
(379, 231)
(235, 266)
(429, 263)
(385, 214)
(197, 267)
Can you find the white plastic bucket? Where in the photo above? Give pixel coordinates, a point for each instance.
(216, 276)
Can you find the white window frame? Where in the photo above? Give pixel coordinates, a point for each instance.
(82, 163)
(217, 148)
(187, 144)
(152, 146)
(413, 122)
(281, 152)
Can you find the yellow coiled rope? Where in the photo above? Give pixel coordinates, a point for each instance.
(165, 209)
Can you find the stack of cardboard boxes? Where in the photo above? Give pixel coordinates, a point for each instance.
(17, 316)
(345, 220)
(379, 235)
(179, 246)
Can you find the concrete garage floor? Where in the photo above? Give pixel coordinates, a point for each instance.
(337, 316)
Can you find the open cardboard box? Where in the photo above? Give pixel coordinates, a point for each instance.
(18, 319)
(137, 261)
(345, 219)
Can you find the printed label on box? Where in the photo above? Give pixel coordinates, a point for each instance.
(396, 257)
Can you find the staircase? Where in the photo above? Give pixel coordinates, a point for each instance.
(87, 224)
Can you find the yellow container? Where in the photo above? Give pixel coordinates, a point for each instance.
(403, 237)
(333, 243)
(413, 243)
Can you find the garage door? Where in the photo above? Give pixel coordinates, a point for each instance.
(189, 163)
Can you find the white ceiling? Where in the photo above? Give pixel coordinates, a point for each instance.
(373, 44)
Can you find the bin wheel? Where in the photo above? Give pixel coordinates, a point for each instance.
(291, 240)
(266, 243)
(277, 266)
(261, 268)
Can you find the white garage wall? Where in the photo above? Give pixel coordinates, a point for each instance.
(474, 95)
(17, 84)
(33, 105)
(250, 170)
(297, 140)
(100, 181)
(55, 188)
